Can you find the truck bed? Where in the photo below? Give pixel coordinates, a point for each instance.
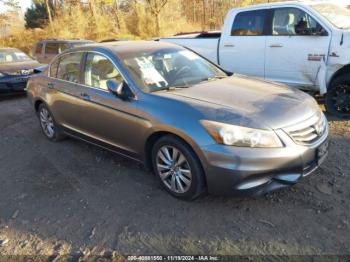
(204, 43)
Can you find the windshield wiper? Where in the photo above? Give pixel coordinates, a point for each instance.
(177, 87)
(171, 88)
(212, 78)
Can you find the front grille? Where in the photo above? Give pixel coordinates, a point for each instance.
(308, 131)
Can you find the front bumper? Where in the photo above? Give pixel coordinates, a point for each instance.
(13, 84)
(255, 171)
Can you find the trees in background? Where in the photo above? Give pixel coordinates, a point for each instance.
(143, 18)
(125, 19)
(155, 7)
(10, 20)
(13, 5)
(36, 16)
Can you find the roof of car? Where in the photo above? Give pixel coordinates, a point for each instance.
(66, 40)
(282, 3)
(127, 46)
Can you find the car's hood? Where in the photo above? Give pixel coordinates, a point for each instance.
(247, 101)
(25, 65)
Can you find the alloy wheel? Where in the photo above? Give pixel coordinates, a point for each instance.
(47, 123)
(174, 169)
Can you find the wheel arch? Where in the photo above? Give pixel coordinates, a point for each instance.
(37, 103)
(342, 71)
(154, 137)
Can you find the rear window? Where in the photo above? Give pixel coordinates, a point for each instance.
(38, 48)
(63, 47)
(51, 48)
(250, 23)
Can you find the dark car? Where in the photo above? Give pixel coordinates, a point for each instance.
(198, 128)
(15, 69)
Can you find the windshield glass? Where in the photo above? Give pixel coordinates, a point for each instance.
(12, 56)
(168, 68)
(339, 16)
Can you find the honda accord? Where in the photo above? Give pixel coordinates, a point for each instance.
(198, 128)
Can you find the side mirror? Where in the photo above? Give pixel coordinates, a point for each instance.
(40, 69)
(119, 89)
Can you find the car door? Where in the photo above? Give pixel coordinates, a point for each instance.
(51, 50)
(108, 118)
(65, 91)
(296, 47)
(242, 49)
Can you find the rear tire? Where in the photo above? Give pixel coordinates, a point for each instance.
(48, 124)
(178, 168)
(338, 97)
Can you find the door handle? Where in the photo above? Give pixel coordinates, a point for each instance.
(85, 96)
(50, 85)
(229, 45)
(276, 45)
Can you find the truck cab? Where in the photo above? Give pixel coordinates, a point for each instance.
(301, 44)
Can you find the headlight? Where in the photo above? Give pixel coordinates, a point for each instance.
(240, 136)
(1, 74)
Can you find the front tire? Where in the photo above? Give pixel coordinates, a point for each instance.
(48, 124)
(178, 168)
(338, 97)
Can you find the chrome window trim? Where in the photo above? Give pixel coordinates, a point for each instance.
(82, 84)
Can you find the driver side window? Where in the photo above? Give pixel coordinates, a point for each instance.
(293, 21)
(98, 70)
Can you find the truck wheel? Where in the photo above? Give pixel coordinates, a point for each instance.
(178, 168)
(338, 97)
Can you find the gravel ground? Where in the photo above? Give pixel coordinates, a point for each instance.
(73, 198)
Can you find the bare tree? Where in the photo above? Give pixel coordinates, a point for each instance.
(156, 7)
(92, 7)
(48, 8)
(117, 13)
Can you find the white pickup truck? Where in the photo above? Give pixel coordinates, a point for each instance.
(302, 44)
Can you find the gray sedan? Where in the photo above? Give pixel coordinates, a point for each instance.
(198, 128)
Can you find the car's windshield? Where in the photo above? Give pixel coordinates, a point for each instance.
(13, 56)
(168, 68)
(339, 16)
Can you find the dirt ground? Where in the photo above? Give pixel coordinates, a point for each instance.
(73, 198)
